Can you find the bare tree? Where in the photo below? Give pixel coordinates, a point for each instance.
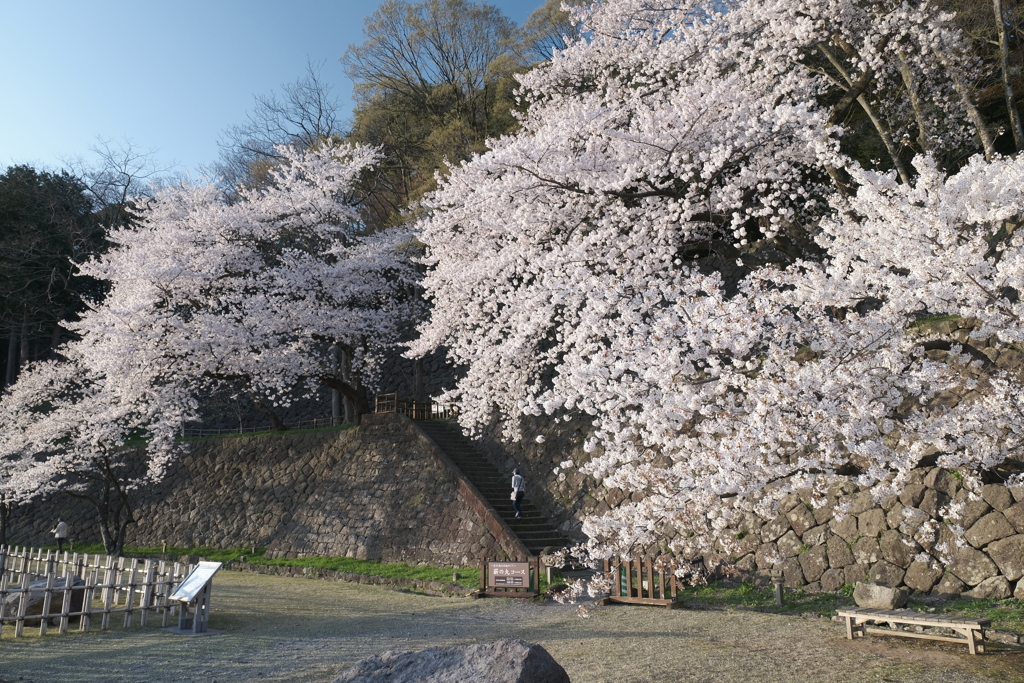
(119, 173)
(304, 112)
(547, 29)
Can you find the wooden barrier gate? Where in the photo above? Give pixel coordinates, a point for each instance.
(416, 410)
(642, 582)
(121, 585)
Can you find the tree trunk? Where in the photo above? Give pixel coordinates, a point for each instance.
(275, 421)
(972, 111)
(55, 335)
(24, 341)
(5, 519)
(113, 508)
(351, 416)
(418, 389)
(12, 357)
(337, 407)
(1004, 64)
(856, 90)
(924, 140)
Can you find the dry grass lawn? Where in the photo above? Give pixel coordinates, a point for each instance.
(282, 629)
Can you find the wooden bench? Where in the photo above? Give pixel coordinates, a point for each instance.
(973, 631)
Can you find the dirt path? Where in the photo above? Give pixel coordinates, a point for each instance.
(280, 629)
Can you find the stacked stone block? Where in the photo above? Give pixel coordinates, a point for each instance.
(901, 541)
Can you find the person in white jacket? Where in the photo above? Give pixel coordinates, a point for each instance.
(518, 491)
(60, 532)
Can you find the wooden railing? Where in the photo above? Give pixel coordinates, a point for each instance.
(417, 410)
(642, 582)
(109, 585)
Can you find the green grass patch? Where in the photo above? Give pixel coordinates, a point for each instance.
(747, 595)
(1006, 615)
(469, 577)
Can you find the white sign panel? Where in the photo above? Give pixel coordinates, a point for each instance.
(194, 582)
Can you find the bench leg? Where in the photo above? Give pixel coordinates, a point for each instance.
(975, 641)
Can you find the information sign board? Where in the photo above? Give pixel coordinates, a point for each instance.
(195, 581)
(509, 574)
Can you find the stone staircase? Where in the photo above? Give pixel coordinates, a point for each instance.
(533, 528)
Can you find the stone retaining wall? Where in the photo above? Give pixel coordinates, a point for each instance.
(372, 493)
(900, 541)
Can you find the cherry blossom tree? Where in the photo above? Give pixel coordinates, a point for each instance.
(203, 291)
(570, 270)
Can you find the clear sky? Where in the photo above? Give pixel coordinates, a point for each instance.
(169, 75)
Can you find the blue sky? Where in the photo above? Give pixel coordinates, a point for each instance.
(169, 76)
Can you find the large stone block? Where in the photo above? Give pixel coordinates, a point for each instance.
(789, 544)
(871, 523)
(504, 661)
(814, 563)
(1008, 555)
(846, 528)
(833, 579)
(886, 574)
(866, 551)
(973, 511)
(874, 596)
(800, 519)
(1015, 516)
(949, 587)
(997, 496)
(972, 566)
(767, 556)
(793, 573)
(912, 494)
(1018, 592)
(897, 548)
(922, 576)
(942, 481)
(861, 502)
(996, 587)
(774, 529)
(816, 536)
(991, 527)
(839, 554)
(932, 502)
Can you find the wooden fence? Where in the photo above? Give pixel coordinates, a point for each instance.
(642, 582)
(417, 410)
(110, 586)
(316, 423)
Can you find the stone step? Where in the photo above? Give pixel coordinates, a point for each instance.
(533, 528)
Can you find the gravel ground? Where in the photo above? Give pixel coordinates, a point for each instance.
(283, 629)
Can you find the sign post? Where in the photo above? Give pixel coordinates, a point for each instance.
(511, 579)
(194, 596)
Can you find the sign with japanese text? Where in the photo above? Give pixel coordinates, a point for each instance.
(509, 574)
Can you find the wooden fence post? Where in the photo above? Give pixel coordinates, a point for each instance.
(44, 615)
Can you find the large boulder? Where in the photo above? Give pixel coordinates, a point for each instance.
(922, 576)
(503, 661)
(972, 566)
(993, 587)
(1009, 556)
(991, 527)
(874, 596)
(37, 595)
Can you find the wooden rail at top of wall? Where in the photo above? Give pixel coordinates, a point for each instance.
(122, 585)
(642, 581)
(417, 410)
